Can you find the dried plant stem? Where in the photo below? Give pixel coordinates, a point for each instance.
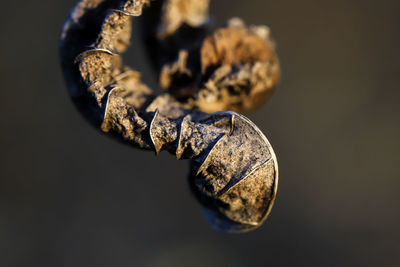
(233, 167)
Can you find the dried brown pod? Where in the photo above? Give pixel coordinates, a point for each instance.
(234, 171)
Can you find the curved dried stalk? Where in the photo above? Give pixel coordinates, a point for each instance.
(234, 170)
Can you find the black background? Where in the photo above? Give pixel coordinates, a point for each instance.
(70, 196)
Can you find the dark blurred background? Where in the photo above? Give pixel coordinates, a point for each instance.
(70, 196)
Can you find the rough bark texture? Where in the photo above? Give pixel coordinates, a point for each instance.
(234, 171)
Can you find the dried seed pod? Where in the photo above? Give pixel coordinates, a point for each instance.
(233, 167)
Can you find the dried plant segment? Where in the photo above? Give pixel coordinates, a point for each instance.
(234, 171)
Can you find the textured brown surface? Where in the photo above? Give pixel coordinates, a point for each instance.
(246, 68)
(228, 151)
(235, 45)
(71, 196)
(238, 69)
(179, 12)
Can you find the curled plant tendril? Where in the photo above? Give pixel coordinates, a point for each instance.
(234, 172)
